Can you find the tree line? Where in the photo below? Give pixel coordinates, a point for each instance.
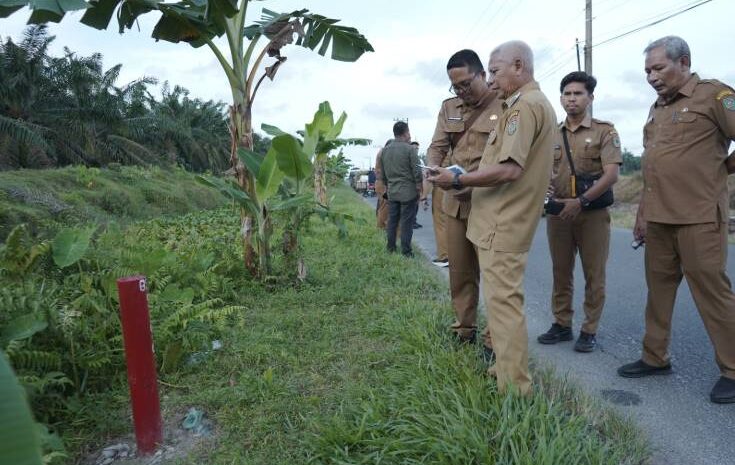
(68, 110)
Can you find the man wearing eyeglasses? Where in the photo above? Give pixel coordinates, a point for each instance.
(510, 183)
(462, 129)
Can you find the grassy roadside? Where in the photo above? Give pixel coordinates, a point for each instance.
(355, 367)
(43, 199)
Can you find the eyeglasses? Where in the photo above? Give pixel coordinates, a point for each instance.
(462, 87)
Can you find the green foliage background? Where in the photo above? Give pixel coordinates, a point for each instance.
(46, 199)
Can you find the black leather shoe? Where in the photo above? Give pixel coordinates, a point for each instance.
(723, 392)
(585, 343)
(459, 339)
(639, 369)
(556, 333)
(488, 355)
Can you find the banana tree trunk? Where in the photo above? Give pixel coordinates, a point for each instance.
(320, 182)
(241, 131)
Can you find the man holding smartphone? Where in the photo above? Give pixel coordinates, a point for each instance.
(462, 129)
(509, 187)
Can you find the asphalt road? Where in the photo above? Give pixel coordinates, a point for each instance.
(675, 411)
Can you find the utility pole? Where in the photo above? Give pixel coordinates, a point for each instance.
(588, 38)
(579, 65)
(588, 42)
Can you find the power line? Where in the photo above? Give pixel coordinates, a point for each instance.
(470, 31)
(559, 60)
(651, 23)
(639, 21)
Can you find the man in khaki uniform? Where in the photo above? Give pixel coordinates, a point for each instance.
(439, 221)
(595, 151)
(507, 199)
(682, 215)
(462, 129)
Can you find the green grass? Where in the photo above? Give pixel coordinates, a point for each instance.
(353, 366)
(43, 199)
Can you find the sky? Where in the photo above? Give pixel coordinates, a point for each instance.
(413, 39)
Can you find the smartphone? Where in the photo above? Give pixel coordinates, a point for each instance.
(427, 168)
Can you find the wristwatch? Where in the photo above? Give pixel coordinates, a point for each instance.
(584, 201)
(456, 184)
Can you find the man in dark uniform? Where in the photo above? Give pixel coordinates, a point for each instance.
(381, 210)
(682, 215)
(403, 179)
(595, 151)
(462, 129)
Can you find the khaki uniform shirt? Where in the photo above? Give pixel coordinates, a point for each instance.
(594, 143)
(450, 125)
(504, 217)
(401, 172)
(685, 143)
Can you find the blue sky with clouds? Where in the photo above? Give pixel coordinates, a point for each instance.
(406, 78)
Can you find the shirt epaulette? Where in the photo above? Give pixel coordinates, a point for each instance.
(512, 100)
(718, 85)
(601, 121)
(447, 100)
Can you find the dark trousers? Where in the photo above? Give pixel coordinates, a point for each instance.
(405, 212)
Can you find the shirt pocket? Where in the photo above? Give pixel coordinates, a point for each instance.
(683, 126)
(590, 161)
(477, 138)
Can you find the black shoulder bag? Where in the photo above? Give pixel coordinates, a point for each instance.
(581, 183)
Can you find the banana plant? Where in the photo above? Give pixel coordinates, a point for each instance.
(284, 160)
(320, 137)
(198, 23)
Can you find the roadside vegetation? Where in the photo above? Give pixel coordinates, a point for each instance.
(353, 365)
(44, 200)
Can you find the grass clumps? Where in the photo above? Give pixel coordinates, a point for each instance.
(43, 199)
(355, 366)
(352, 366)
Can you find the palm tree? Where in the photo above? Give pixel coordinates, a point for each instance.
(198, 22)
(22, 72)
(191, 132)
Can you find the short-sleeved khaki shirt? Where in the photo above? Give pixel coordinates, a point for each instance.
(450, 125)
(504, 218)
(685, 143)
(594, 144)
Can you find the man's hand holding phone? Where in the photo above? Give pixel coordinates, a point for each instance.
(429, 169)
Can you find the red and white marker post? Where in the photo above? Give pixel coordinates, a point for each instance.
(142, 378)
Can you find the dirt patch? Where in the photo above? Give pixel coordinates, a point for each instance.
(178, 442)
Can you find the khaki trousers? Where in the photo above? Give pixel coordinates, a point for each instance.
(502, 287)
(439, 219)
(464, 279)
(698, 252)
(588, 234)
(381, 211)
